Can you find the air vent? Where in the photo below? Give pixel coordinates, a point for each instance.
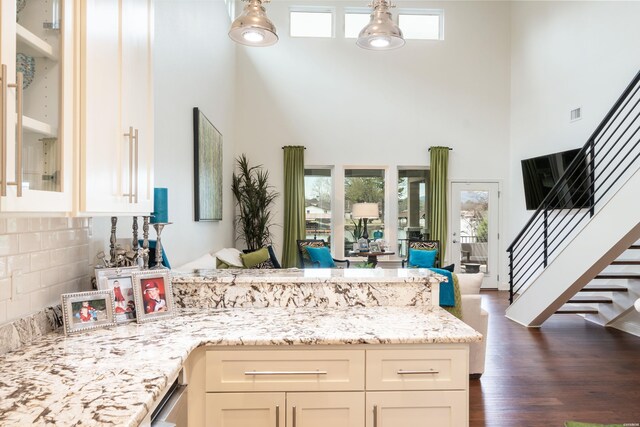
(576, 114)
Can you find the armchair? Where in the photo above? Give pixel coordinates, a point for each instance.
(303, 256)
(429, 245)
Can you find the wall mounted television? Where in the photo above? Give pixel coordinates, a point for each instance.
(540, 174)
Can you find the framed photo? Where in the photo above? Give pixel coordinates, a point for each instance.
(374, 247)
(153, 295)
(87, 310)
(120, 281)
(207, 168)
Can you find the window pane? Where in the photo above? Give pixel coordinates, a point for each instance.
(363, 185)
(474, 230)
(311, 24)
(413, 211)
(317, 194)
(423, 27)
(354, 23)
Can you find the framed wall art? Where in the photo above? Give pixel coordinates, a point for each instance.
(120, 281)
(153, 294)
(207, 168)
(87, 310)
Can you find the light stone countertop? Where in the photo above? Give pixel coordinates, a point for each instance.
(113, 376)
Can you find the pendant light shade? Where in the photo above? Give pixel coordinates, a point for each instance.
(252, 27)
(381, 33)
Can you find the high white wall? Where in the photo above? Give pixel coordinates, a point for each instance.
(564, 54)
(194, 66)
(350, 106)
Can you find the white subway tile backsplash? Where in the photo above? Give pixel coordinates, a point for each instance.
(5, 289)
(40, 259)
(17, 225)
(26, 283)
(29, 242)
(8, 244)
(18, 264)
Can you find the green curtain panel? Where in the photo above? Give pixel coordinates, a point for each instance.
(438, 197)
(294, 222)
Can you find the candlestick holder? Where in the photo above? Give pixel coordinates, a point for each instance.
(158, 227)
(145, 241)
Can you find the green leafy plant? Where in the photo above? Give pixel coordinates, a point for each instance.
(254, 199)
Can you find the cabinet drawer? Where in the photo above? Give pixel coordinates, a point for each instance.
(417, 409)
(445, 369)
(285, 370)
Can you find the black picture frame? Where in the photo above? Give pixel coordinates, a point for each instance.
(207, 150)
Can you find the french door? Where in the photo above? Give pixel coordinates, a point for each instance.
(474, 229)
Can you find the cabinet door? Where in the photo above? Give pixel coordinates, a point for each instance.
(417, 409)
(137, 104)
(335, 409)
(245, 409)
(37, 125)
(101, 172)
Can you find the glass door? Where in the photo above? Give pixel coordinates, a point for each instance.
(474, 229)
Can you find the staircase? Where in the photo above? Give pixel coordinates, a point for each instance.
(578, 254)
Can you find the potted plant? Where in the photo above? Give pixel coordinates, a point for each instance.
(254, 199)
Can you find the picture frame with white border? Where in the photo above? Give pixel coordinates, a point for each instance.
(153, 295)
(120, 280)
(87, 310)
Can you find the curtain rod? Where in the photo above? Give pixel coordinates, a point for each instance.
(293, 146)
(450, 149)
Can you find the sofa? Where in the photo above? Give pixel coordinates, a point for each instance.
(475, 316)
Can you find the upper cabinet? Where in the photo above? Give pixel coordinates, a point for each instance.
(36, 109)
(116, 106)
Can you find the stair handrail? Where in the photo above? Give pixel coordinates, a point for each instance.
(591, 156)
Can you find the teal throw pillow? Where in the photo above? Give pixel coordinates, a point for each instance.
(422, 258)
(321, 256)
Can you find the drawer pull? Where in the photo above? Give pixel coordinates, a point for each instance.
(294, 417)
(277, 415)
(375, 415)
(401, 372)
(256, 373)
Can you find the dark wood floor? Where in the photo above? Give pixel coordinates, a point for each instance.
(569, 369)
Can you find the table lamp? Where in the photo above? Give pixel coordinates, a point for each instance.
(365, 211)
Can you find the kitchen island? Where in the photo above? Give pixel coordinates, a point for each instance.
(116, 376)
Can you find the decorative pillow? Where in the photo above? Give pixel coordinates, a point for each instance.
(254, 258)
(274, 259)
(230, 256)
(321, 256)
(422, 259)
(449, 267)
(264, 265)
(470, 283)
(221, 265)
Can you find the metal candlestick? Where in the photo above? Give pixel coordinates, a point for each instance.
(112, 247)
(159, 226)
(145, 241)
(134, 246)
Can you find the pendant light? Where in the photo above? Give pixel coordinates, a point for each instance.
(252, 27)
(381, 33)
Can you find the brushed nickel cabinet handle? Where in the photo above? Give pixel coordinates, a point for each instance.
(257, 373)
(431, 371)
(375, 415)
(294, 422)
(19, 108)
(277, 415)
(135, 138)
(130, 135)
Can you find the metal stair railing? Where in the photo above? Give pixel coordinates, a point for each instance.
(609, 157)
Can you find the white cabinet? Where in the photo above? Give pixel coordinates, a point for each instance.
(37, 122)
(319, 409)
(372, 386)
(417, 409)
(116, 106)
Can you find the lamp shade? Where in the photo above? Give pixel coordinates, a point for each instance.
(253, 27)
(381, 33)
(365, 210)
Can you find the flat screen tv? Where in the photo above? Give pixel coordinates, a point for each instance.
(540, 175)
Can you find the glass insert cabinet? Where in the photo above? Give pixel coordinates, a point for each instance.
(36, 52)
